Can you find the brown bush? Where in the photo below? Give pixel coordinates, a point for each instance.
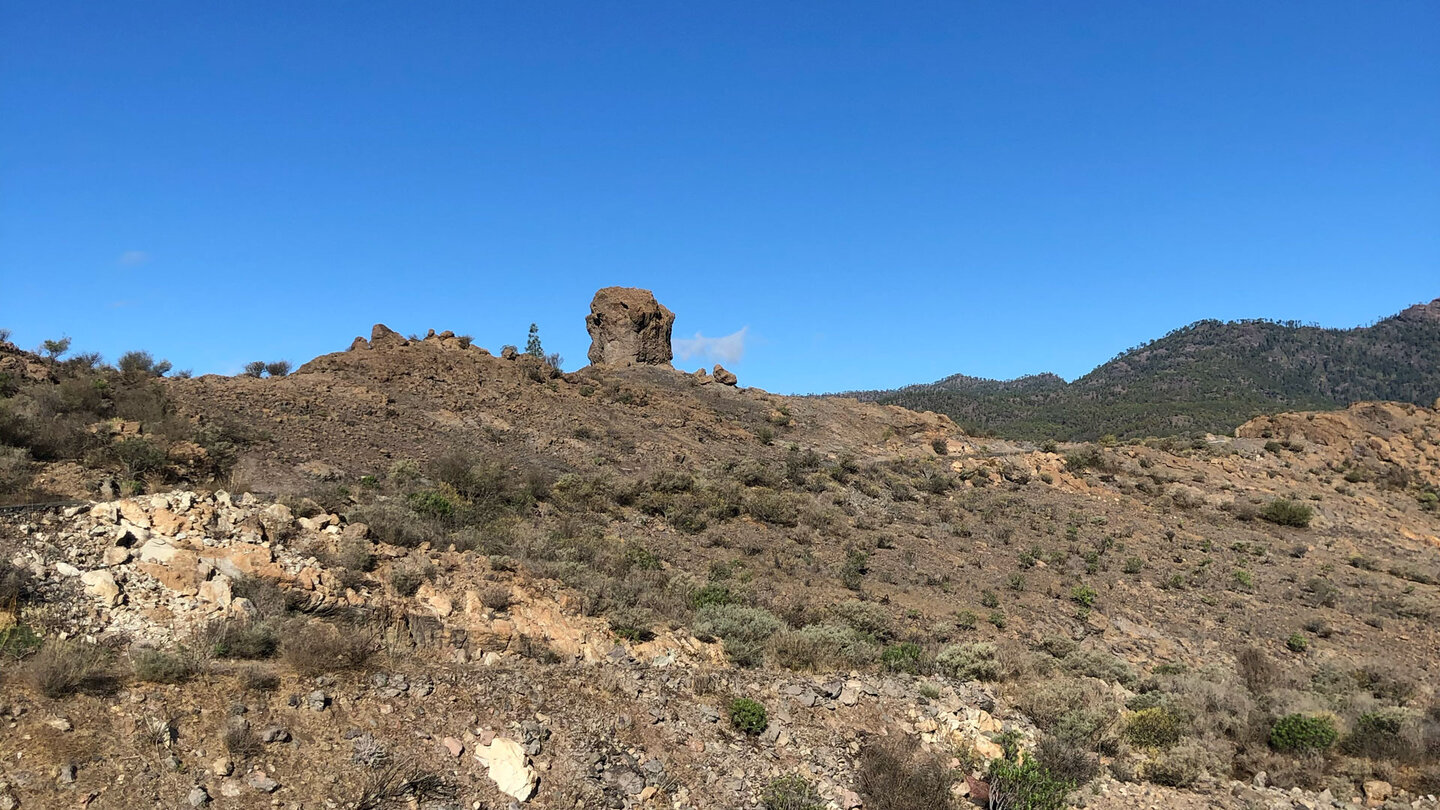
(895, 774)
(320, 648)
(64, 668)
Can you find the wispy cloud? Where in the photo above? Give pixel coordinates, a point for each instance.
(727, 349)
(133, 258)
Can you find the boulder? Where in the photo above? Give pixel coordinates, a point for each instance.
(702, 376)
(628, 327)
(101, 585)
(383, 337)
(358, 343)
(725, 376)
(508, 770)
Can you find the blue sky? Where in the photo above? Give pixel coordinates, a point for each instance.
(876, 193)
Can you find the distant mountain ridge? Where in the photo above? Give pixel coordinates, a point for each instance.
(1207, 377)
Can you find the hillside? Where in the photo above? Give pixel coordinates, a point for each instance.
(1207, 377)
(414, 573)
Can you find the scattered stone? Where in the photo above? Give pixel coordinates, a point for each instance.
(261, 782)
(199, 796)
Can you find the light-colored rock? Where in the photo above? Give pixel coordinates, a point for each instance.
(725, 376)
(1376, 792)
(101, 585)
(217, 590)
(508, 767)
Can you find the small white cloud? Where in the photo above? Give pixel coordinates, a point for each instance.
(727, 349)
(133, 258)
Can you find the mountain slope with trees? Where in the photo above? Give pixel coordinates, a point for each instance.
(1207, 377)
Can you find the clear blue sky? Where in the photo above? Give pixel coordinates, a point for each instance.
(878, 193)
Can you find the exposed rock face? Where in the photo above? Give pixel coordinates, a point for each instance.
(1422, 312)
(724, 376)
(628, 327)
(383, 337)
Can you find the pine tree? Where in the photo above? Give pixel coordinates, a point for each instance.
(532, 344)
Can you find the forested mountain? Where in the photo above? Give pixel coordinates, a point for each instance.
(1209, 376)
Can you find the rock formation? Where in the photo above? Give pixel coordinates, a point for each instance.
(628, 327)
(725, 376)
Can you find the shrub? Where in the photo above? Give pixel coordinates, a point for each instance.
(1378, 735)
(496, 597)
(240, 741)
(1083, 595)
(279, 368)
(162, 666)
(1098, 664)
(903, 657)
(63, 668)
(748, 716)
(255, 369)
(1067, 761)
(1297, 642)
(1155, 727)
(139, 457)
(407, 576)
(976, 661)
(1303, 732)
(317, 650)
(141, 364)
(1181, 765)
(15, 583)
(232, 638)
(712, 593)
(1284, 512)
(1026, 786)
(822, 646)
(256, 678)
(852, 573)
(732, 621)
(894, 774)
(940, 446)
(15, 472)
(866, 617)
(791, 792)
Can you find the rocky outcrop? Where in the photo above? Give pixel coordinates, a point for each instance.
(383, 337)
(724, 376)
(629, 327)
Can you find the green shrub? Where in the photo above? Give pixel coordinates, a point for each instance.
(1083, 595)
(976, 661)
(791, 792)
(1303, 732)
(1026, 786)
(748, 716)
(903, 657)
(852, 573)
(1284, 512)
(712, 593)
(1155, 727)
(1297, 642)
(1379, 735)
